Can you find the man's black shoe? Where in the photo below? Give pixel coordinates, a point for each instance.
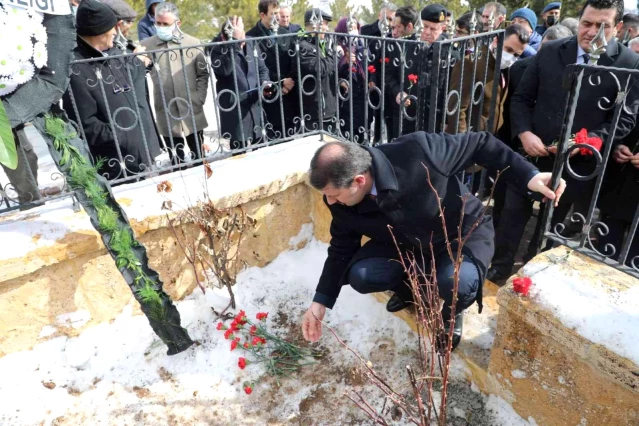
(396, 304)
(495, 275)
(442, 341)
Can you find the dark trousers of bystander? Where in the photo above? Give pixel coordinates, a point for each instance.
(377, 274)
(194, 144)
(24, 179)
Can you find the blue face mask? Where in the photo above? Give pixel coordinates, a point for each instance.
(74, 10)
(165, 33)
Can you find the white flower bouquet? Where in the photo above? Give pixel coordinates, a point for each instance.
(23, 47)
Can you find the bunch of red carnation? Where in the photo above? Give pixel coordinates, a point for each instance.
(279, 356)
(582, 138)
(522, 285)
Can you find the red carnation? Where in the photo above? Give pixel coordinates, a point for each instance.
(257, 341)
(261, 316)
(253, 330)
(412, 78)
(241, 363)
(247, 345)
(234, 343)
(220, 326)
(386, 60)
(593, 142)
(248, 389)
(581, 136)
(522, 285)
(228, 333)
(371, 69)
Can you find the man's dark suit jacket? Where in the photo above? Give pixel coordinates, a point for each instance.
(515, 73)
(538, 103)
(410, 206)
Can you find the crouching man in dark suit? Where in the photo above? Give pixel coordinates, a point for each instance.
(369, 188)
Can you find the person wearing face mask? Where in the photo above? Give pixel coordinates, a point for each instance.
(179, 112)
(133, 143)
(527, 19)
(515, 41)
(550, 16)
(537, 118)
(126, 15)
(74, 6)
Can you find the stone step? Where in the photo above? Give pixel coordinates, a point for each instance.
(479, 333)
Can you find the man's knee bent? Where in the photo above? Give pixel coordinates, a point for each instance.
(374, 274)
(468, 287)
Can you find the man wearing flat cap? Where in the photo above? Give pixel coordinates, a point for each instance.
(322, 110)
(125, 15)
(114, 114)
(550, 16)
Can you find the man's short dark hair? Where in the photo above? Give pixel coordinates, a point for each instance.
(500, 9)
(407, 15)
(340, 167)
(630, 20)
(522, 34)
(463, 22)
(264, 5)
(557, 32)
(605, 4)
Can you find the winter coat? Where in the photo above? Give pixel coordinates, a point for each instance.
(418, 61)
(312, 62)
(146, 26)
(484, 73)
(243, 120)
(276, 51)
(100, 115)
(170, 68)
(357, 91)
(411, 208)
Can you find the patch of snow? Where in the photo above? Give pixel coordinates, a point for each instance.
(518, 374)
(77, 319)
(609, 318)
(305, 235)
(458, 412)
(504, 414)
(47, 331)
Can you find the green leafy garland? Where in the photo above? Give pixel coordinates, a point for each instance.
(118, 236)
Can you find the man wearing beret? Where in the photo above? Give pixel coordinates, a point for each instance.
(527, 19)
(549, 16)
(322, 110)
(128, 137)
(125, 15)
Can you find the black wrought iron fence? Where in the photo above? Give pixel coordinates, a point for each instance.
(604, 217)
(163, 110)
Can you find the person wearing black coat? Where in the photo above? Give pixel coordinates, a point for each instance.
(276, 51)
(537, 116)
(241, 122)
(112, 108)
(368, 189)
(317, 56)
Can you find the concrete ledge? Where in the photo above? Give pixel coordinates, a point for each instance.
(56, 277)
(556, 373)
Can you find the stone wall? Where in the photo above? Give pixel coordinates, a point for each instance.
(57, 278)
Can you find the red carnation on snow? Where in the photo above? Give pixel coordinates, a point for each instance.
(253, 330)
(248, 389)
(228, 333)
(241, 363)
(261, 316)
(235, 342)
(522, 285)
(220, 326)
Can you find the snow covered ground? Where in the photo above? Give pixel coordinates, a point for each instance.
(118, 374)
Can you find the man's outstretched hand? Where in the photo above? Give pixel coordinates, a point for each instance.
(311, 325)
(539, 183)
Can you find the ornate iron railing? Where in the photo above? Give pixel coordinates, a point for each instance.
(604, 225)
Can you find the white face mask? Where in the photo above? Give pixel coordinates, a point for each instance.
(507, 59)
(74, 10)
(165, 33)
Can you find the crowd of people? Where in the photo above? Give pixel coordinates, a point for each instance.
(367, 83)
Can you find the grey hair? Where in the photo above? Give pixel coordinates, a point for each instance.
(339, 166)
(500, 9)
(572, 24)
(389, 6)
(166, 7)
(633, 42)
(557, 32)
